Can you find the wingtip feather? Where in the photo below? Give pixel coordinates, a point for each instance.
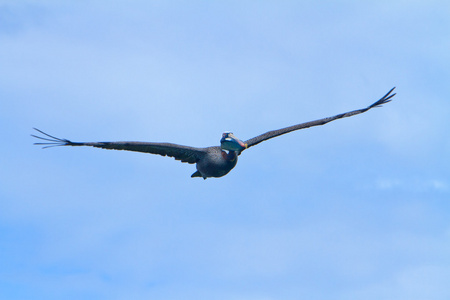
(52, 141)
(385, 99)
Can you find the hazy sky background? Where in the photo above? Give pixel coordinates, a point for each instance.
(356, 209)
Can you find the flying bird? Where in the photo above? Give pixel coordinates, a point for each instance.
(215, 161)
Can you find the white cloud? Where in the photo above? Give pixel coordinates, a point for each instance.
(413, 184)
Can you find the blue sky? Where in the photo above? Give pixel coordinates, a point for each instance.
(356, 209)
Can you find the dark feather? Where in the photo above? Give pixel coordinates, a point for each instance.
(274, 133)
(183, 153)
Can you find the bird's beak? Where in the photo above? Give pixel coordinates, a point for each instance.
(231, 143)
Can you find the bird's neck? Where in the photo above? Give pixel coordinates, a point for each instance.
(230, 156)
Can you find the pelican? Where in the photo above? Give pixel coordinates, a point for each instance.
(215, 161)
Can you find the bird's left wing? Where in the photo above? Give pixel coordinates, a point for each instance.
(179, 152)
(274, 133)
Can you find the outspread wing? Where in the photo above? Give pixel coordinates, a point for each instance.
(183, 153)
(274, 133)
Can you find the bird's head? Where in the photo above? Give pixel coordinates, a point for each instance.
(231, 143)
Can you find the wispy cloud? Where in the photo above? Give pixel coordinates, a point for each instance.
(439, 185)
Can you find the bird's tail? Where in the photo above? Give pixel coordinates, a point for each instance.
(197, 174)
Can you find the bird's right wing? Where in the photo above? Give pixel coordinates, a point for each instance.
(274, 133)
(183, 153)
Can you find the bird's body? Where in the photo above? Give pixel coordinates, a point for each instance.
(215, 161)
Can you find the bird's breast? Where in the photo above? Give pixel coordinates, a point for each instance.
(216, 163)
